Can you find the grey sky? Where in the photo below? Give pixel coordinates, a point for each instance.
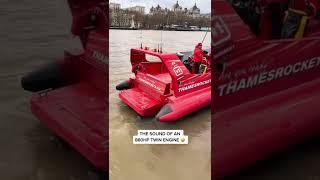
(204, 5)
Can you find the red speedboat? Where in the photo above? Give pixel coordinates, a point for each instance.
(163, 86)
(70, 94)
(267, 85)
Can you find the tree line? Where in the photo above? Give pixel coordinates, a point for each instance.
(158, 20)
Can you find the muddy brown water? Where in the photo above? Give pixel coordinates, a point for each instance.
(156, 162)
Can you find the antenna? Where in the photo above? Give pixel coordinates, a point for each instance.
(204, 37)
(161, 44)
(161, 40)
(141, 39)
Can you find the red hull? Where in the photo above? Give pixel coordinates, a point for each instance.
(266, 95)
(257, 129)
(59, 110)
(74, 106)
(187, 104)
(166, 88)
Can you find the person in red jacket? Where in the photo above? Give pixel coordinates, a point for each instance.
(197, 58)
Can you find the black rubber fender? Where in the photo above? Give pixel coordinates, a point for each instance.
(166, 109)
(123, 85)
(48, 76)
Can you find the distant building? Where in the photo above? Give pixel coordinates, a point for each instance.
(114, 6)
(158, 10)
(139, 9)
(124, 17)
(194, 11)
(118, 17)
(176, 7)
(136, 17)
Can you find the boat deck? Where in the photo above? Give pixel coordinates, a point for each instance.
(76, 113)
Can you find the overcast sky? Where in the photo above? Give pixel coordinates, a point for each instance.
(204, 5)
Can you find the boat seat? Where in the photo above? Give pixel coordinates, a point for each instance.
(294, 25)
(143, 103)
(153, 67)
(165, 78)
(308, 27)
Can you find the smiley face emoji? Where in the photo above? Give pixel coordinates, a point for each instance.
(182, 139)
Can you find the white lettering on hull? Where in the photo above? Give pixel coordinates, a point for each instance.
(267, 76)
(191, 86)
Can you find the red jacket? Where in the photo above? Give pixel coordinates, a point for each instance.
(197, 54)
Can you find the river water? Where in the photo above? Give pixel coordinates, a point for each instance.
(32, 33)
(156, 162)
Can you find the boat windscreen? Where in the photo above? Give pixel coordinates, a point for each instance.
(184, 56)
(151, 58)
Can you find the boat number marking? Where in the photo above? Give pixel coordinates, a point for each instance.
(220, 32)
(176, 69)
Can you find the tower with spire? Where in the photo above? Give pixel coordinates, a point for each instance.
(195, 11)
(177, 7)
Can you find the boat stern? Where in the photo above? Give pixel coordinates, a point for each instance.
(147, 93)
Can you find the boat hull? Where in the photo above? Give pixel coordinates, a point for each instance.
(255, 130)
(142, 103)
(184, 105)
(76, 114)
